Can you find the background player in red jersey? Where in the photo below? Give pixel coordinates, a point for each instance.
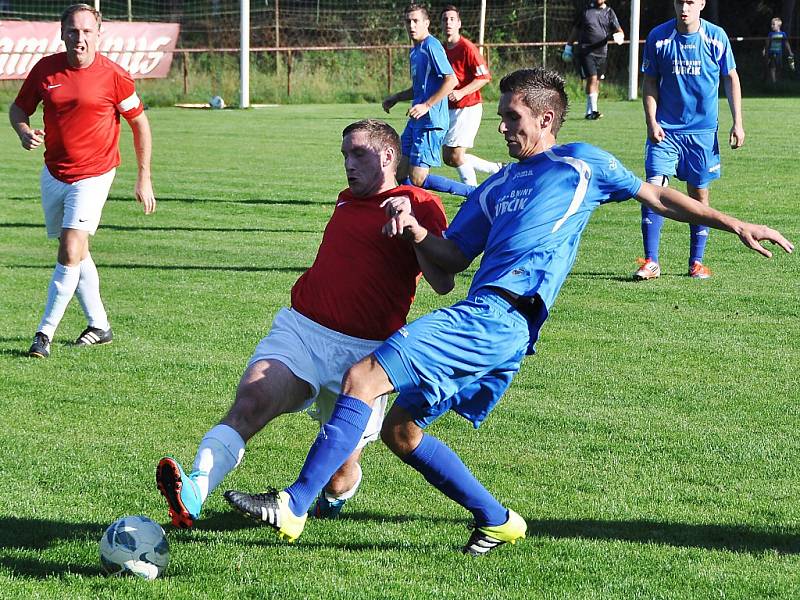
(356, 294)
(83, 94)
(465, 102)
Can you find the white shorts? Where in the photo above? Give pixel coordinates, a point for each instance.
(319, 356)
(464, 125)
(73, 205)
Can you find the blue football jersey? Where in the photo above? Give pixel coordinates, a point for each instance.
(528, 218)
(688, 69)
(429, 66)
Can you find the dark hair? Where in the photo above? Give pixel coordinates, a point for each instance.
(541, 90)
(74, 8)
(417, 7)
(380, 134)
(449, 8)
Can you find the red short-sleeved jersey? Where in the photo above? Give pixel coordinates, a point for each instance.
(468, 65)
(81, 113)
(362, 283)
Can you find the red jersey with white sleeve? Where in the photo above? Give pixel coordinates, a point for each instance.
(81, 113)
(362, 283)
(468, 65)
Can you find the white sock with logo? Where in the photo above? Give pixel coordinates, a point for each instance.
(59, 293)
(88, 293)
(220, 452)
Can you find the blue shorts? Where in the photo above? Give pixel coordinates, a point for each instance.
(693, 158)
(423, 147)
(462, 358)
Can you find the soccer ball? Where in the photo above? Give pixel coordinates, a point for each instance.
(134, 545)
(216, 102)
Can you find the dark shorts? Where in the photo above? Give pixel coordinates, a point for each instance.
(592, 65)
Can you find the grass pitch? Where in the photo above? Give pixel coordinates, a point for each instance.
(651, 444)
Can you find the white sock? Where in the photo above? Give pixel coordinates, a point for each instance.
(219, 453)
(59, 293)
(482, 165)
(467, 174)
(351, 492)
(593, 102)
(88, 293)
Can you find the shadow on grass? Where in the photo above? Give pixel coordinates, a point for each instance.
(267, 201)
(742, 539)
(39, 534)
(127, 266)
(170, 228)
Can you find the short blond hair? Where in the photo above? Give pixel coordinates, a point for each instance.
(75, 8)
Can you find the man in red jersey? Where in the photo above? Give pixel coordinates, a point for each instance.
(83, 94)
(465, 102)
(358, 292)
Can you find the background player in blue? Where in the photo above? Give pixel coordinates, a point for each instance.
(527, 221)
(683, 61)
(432, 79)
(777, 42)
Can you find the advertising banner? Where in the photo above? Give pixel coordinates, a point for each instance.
(142, 49)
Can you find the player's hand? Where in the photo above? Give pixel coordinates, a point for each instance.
(566, 54)
(388, 103)
(752, 234)
(655, 133)
(33, 138)
(418, 110)
(406, 226)
(455, 95)
(618, 38)
(736, 138)
(144, 194)
(397, 204)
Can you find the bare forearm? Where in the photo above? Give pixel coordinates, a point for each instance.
(20, 121)
(679, 207)
(473, 86)
(142, 143)
(733, 91)
(448, 85)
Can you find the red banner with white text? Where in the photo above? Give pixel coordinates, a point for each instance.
(142, 49)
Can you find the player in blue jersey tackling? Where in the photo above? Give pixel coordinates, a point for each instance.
(683, 61)
(432, 79)
(527, 221)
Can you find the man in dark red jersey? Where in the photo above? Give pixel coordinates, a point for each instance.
(83, 95)
(358, 292)
(465, 102)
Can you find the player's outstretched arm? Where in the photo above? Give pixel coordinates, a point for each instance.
(678, 206)
(29, 138)
(143, 146)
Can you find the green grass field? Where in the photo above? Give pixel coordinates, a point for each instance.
(651, 444)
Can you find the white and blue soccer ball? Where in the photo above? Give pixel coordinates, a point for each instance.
(136, 546)
(216, 102)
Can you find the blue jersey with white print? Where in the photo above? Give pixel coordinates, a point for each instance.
(429, 66)
(688, 69)
(528, 218)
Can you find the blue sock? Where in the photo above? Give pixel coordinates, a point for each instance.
(437, 183)
(443, 469)
(335, 442)
(699, 237)
(651, 232)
